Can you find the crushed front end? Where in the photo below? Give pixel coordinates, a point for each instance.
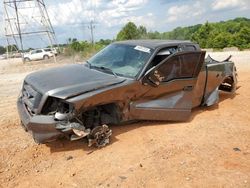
(42, 127)
(48, 118)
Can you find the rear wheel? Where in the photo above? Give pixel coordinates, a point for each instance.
(45, 57)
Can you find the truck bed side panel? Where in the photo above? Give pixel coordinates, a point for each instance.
(216, 74)
(199, 88)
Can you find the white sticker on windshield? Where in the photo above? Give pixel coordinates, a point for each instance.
(143, 49)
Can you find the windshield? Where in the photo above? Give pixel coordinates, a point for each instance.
(121, 59)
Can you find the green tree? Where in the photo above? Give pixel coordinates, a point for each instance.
(2, 50)
(76, 46)
(12, 48)
(154, 35)
(142, 32)
(222, 40)
(203, 34)
(104, 42)
(128, 32)
(222, 34)
(242, 38)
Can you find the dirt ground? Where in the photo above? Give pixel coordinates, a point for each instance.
(212, 149)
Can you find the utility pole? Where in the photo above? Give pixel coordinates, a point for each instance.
(20, 25)
(92, 27)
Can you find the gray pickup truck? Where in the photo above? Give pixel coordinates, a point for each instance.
(126, 81)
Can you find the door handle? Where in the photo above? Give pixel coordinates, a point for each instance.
(188, 88)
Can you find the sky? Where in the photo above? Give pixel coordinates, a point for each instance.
(70, 18)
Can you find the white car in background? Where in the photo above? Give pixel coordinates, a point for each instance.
(3, 56)
(38, 55)
(53, 50)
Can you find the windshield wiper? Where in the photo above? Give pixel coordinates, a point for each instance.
(105, 68)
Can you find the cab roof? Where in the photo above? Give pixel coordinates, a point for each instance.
(154, 43)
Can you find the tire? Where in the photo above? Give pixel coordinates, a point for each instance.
(45, 57)
(26, 59)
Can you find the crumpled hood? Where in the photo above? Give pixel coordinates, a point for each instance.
(70, 80)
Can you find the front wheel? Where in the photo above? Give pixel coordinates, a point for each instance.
(26, 59)
(99, 136)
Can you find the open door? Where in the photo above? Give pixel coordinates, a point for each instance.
(172, 82)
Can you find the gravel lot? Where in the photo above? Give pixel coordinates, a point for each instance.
(212, 149)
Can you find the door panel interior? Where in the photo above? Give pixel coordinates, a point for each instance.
(172, 98)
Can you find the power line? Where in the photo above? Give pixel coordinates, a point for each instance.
(91, 26)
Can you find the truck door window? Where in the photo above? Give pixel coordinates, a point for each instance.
(180, 66)
(163, 54)
(190, 48)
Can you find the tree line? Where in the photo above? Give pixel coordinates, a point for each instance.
(218, 35)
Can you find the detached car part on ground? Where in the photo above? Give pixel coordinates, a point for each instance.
(129, 80)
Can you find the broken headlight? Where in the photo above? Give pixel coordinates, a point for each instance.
(57, 107)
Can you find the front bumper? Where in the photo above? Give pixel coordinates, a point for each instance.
(42, 127)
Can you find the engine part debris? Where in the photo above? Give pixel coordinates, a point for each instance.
(69, 158)
(61, 116)
(79, 134)
(236, 149)
(99, 136)
(90, 152)
(79, 130)
(64, 127)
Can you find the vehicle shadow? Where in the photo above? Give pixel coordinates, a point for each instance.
(64, 144)
(202, 109)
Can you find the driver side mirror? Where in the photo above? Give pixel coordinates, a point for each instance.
(152, 77)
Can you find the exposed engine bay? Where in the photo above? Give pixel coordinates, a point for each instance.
(91, 124)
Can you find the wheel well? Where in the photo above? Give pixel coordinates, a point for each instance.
(102, 114)
(227, 84)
